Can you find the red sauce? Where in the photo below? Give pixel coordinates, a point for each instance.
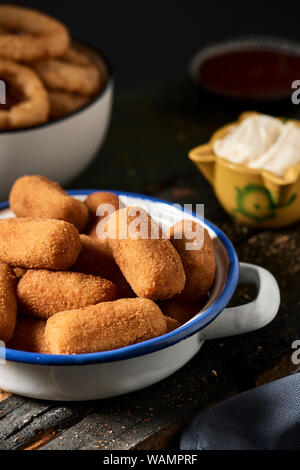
(251, 73)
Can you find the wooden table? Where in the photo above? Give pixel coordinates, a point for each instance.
(152, 130)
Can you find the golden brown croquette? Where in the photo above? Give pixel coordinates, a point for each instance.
(199, 264)
(38, 243)
(180, 311)
(94, 258)
(152, 266)
(105, 326)
(43, 293)
(8, 302)
(29, 335)
(19, 272)
(38, 197)
(172, 324)
(93, 201)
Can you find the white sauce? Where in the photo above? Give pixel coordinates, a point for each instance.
(261, 141)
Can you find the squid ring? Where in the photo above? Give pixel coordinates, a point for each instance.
(33, 108)
(63, 103)
(74, 72)
(41, 35)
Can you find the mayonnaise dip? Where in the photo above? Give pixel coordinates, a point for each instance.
(261, 141)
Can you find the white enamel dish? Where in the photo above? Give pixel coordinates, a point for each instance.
(59, 149)
(111, 373)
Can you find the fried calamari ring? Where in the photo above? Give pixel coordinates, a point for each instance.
(74, 72)
(34, 105)
(63, 103)
(41, 35)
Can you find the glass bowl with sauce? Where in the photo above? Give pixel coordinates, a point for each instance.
(255, 68)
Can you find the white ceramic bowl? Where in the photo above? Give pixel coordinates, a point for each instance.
(59, 149)
(111, 373)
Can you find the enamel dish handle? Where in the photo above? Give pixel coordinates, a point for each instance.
(253, 315)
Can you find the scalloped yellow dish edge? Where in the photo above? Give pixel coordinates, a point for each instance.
(255, 196)
(205, 151)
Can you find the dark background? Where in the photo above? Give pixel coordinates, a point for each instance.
(159, 114)
(150, 39)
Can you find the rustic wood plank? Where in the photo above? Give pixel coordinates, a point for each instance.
(124, 422)
(281, 369)
(4, 395)
(35, 422)
(11, 403)
(269, 349)
(20, 418)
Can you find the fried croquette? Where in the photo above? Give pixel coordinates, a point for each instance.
(172, 324)
(38, 243)
(29, 335)
(110, 202)
(38, 197)
(43, 293)
(180, 311)
(151, 266)
(19, 272)
(95, 258)
(8, 302)
(105, 326)
(199, 263)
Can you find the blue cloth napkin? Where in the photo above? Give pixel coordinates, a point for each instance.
(264, 418)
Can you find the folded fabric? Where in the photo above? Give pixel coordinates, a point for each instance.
(264, 418)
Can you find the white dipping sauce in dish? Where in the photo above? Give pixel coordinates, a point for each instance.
(261, 141)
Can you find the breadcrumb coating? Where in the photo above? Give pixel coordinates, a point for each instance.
(69, 73)
(151, 266)
(95, 258)
(43, 293)
(29, 335)
(93, 201)
(180, 311)
(31, 35)
(199, 264)
(105, 326)
(38, 197)
(8, 302)
(172, 324)
(19, 272)
(38, 243)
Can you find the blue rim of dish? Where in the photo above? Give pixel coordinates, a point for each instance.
(151, 345)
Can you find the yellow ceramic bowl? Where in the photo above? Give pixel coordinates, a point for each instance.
(256, 197)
